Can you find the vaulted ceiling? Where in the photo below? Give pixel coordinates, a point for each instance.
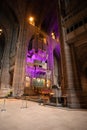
(45, 13)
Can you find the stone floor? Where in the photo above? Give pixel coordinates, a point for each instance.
(38, 117)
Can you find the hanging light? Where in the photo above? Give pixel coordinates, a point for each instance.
(31, 20)
(53, 35)
(0, 31)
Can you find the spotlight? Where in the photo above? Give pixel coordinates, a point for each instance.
(31, 20)
(0, 30)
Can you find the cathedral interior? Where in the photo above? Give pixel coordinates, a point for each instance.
(43, 46)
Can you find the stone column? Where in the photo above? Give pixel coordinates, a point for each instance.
(25, 34)
(72, 75)
(75, 67)
(50, 61)
(19, 70)
(75, 91)
(64, 82)
(5, 62)
(67, 87)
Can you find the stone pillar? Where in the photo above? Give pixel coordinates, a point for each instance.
(19, 70)
(25, 34)
(64, 83)
(71, 73)
(5, 77)
(67, 86)
(14, 40)
(75, 92)
(50, 61)
(75, 67)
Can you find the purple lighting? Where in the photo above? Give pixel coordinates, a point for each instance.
(40, 56)
(36, 64)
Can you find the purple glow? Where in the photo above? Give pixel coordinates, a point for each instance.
(40, 56)
(39, 62)
(36, 63)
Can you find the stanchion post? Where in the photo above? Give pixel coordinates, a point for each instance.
(3, 106)
(26, 101)
(22, 105)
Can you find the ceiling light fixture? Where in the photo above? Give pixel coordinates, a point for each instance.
(0, 30)
(31, 20)
(53, 35)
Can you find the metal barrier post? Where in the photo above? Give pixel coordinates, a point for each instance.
(26, 102)
(3, 106)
